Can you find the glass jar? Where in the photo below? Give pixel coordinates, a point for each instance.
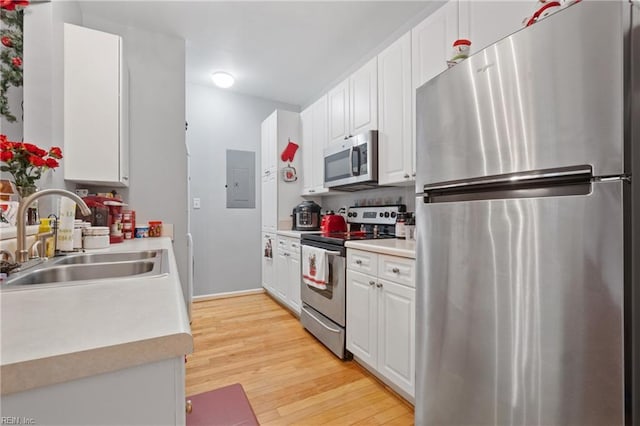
(400, 225)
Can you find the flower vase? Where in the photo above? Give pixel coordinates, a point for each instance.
(32, 211)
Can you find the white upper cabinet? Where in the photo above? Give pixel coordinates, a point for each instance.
(432, 42)
(269, 155)
(338, 118)
(279, 194)
(306, 120)
(353, 104)
(314, 140)
(363, 98)
(485, 22)
(95, 108)
(395, 142)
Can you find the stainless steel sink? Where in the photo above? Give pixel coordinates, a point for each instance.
(106, 257)
(93, 271)
(90, 267)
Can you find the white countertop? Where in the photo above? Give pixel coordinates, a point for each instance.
(391, 246)
(56, 334)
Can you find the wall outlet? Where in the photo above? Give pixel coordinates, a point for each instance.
(196, 203)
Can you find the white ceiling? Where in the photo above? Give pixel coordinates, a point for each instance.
(287, 51)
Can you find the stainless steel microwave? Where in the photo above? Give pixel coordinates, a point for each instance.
(352, 164)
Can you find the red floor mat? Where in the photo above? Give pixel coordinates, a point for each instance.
(227, 406)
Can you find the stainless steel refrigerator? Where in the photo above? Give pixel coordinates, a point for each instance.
(527, 225)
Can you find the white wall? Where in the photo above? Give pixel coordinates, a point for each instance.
(226, 241)
(43, 83)
(378, 196)
(158, 156)
(156, 120)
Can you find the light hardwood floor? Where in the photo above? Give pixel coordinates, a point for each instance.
(289, 377)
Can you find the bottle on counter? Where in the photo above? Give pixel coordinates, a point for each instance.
(410, 228)
(400, 225)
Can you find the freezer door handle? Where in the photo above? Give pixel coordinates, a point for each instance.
(574, 180)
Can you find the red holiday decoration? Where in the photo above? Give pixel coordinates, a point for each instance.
(289, 151)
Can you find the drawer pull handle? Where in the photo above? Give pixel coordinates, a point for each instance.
(395, 270)
(358, 262)
(379, 285)
(372, 282)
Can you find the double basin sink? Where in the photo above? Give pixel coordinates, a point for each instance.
(85, 267)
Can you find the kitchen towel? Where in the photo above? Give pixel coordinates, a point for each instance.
(315, 267)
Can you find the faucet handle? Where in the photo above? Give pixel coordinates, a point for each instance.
(6, 255)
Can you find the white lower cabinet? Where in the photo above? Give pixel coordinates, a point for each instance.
(381, 315)
(286, 277)
(268, 267)
(152, 394)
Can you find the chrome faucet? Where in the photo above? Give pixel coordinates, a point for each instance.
(22, 254)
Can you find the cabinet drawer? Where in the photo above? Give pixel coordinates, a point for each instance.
(362, 261)
(397, 269)
(294, 247)
(283, 243)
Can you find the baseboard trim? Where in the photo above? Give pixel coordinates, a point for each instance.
(227, 294)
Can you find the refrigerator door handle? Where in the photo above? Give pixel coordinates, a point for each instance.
(582, 173)
(574, 180)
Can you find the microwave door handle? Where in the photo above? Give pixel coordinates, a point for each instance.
(355, 171)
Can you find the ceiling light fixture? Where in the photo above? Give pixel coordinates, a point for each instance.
(222, 79)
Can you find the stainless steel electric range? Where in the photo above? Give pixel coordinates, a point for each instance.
(323, 311)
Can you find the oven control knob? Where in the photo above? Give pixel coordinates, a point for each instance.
(381, 214)
(355, 214)
(386, 214)
(393, 214)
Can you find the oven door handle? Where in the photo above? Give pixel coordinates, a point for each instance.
(320, 322)
(333, 253)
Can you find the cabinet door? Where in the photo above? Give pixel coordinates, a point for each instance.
(338, 118)
(282, 272)
(431, 47)
(320, 141)
(396, 349)
(306, 117)
(269, 202)
(362, 317)
(295, 274)
(268, 269)
(394, 102)
(432, 42)
(264, 151)
(486, 22)
(363, 98)
(94, 131)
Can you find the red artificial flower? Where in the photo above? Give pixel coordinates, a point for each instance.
(55, 152)
(36, 161)
(6, 41)
(3, 138)
(6, 155)
(6, 146)
(11, 4)
(32, 148)
(17, 61)
(52, 163)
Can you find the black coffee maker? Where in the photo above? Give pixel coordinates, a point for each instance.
(306, 216)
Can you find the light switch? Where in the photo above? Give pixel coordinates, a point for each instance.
(196, 203)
